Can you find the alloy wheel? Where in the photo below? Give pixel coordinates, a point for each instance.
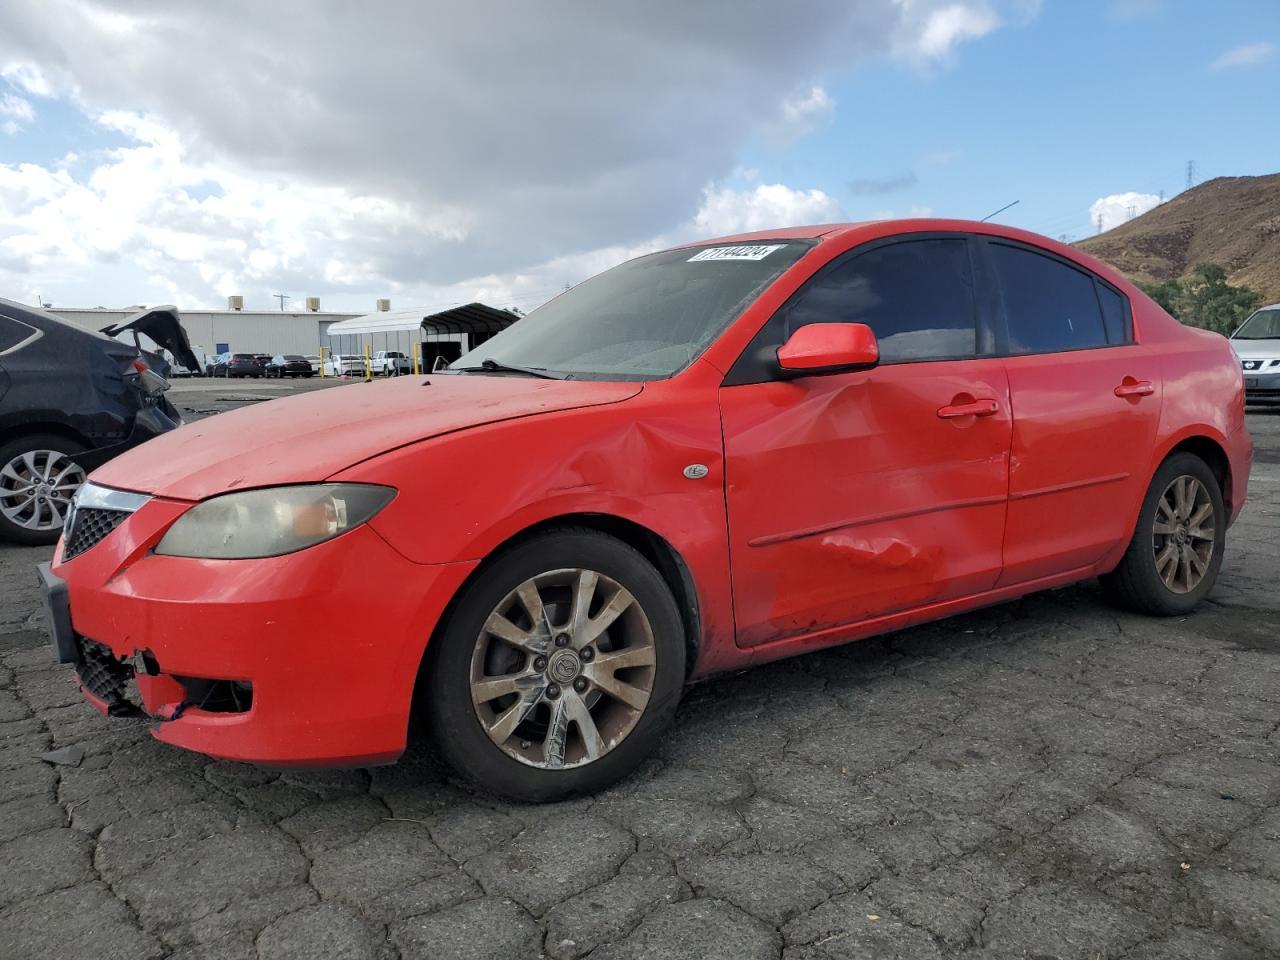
(563, 668)
(1184, 534)
(36, 488)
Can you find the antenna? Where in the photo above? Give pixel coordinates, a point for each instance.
(1191, 174)
(1099, 223)
(1001, 210)
(282, 297)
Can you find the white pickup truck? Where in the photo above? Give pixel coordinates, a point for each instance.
(390, 363)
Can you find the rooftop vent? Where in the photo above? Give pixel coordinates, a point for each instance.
(313, 304)
(235, 303)
(384, 305)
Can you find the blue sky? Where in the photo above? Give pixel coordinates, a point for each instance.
(184, 152)
(1083, 101)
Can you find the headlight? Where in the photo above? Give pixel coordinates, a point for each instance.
(272, 521)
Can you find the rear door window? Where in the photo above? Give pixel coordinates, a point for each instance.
(917, 296)
(1049, 306)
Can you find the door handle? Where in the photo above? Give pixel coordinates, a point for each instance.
(1130, 387)
(974, 408)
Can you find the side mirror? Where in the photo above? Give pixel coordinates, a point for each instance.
(829, 348)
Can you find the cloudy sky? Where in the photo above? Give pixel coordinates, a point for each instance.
(436, 152)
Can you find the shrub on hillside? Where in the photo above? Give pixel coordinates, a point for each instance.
(1205, 299)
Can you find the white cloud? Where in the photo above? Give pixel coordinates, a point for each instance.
(14, 112)
(933, 31)
(805, 111)
(1116, 208)
(728, 211)
(1245, 55)
(412, 151)
(27, 77)
(197, 232)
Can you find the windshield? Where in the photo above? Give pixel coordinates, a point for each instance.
(645, 319)
(1263, 325)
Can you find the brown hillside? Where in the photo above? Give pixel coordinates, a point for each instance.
(1232, 221)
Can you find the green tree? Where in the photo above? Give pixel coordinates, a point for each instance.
(1205, 299)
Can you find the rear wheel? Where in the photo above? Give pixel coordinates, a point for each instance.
(558, 669)
(37, 481)
(1173, 559)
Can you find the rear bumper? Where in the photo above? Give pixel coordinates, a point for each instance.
(1240, 458)
(323, 645)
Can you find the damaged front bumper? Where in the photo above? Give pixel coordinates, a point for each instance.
(307, 659)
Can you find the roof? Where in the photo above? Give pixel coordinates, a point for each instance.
(471, 318)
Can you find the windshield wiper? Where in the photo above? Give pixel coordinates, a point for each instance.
(490, 365)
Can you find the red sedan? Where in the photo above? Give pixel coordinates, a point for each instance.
(702, 459)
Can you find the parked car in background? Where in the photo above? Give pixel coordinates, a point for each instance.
(211, 364)
(238, 365)
(706, 458)
(314, 360)
(339, 365)
(1257, 343)
(71, 399)
(287, 365)
(390, 363)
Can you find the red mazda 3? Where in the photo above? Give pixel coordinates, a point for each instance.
(702, 459)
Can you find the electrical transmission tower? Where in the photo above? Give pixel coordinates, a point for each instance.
(1099, 223)
(1191, 174)
(282, 297)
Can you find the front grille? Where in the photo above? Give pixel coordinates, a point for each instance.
(103, 674)
(88, 526)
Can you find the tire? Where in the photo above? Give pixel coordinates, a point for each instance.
(1165, 588)
(650, 625)
(37, 526)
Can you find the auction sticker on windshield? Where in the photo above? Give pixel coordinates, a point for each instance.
(752, 252)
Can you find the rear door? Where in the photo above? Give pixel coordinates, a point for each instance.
(1086, 405)
(860, 494)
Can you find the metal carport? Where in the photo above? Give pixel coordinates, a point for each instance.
(427, 337)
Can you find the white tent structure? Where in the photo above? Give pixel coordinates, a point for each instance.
(427, 337)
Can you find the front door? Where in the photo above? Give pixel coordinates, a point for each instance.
(860, 494)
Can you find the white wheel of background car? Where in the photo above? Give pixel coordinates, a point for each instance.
(36, 488)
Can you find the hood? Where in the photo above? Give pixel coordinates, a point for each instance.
(161, 324)
(1256, 349)
(310, 437)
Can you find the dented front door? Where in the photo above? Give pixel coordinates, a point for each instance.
(863, 494)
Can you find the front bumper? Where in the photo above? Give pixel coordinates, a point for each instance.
(324, 644)
(1262, 386)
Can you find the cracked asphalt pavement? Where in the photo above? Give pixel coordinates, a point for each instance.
(1047, 778)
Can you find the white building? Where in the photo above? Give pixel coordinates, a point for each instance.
(440, 335)
(243, 331)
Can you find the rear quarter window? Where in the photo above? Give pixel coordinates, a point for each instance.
(1115, 315)
(14, 332)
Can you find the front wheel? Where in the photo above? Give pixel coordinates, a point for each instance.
(559, 668)
(1173, 559)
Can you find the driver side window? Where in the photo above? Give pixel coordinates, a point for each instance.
(917, 296)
